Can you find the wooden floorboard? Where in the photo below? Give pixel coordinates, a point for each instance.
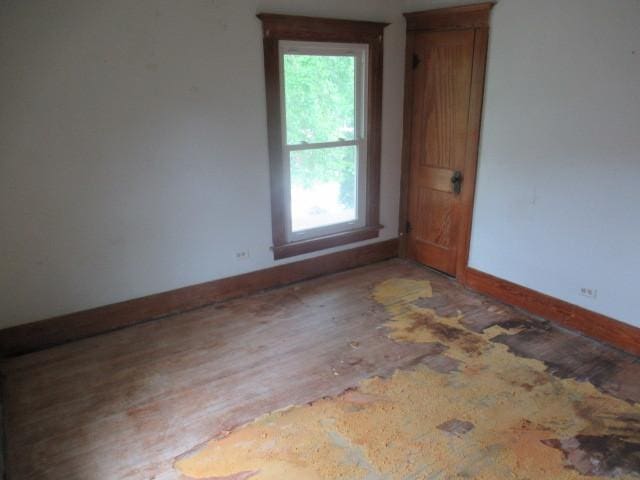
(124, 405)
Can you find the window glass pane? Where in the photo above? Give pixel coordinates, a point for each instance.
(323, 187)
(319, 98)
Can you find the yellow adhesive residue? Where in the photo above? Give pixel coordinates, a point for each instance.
(411, 323)
(388, 428)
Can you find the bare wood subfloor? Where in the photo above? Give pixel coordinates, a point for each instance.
(125, 405)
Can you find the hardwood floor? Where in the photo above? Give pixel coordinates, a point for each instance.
(125, 405)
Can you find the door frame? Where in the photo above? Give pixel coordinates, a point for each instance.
(468, 17)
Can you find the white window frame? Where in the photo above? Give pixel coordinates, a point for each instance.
(361, 54)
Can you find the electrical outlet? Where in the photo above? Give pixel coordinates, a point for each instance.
(242, 255)
(589, 292)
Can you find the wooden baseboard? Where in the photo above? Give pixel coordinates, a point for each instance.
(616, 333)
(46, 333)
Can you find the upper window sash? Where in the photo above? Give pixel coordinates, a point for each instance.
(360, 54)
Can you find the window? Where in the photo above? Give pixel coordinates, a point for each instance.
(323, 111)
(324, 94)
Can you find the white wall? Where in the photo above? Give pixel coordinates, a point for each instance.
(133, 147)
(558, 193)
(133, 154)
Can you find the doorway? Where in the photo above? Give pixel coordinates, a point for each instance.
(444, 84)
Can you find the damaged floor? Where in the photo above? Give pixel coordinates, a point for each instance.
(384, 372)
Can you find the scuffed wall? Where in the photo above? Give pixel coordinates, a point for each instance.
(559, 168)
(133, 155)
(133, 145)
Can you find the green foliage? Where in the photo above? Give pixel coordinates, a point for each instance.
(319, 98)
(320, 107)
(325, 165)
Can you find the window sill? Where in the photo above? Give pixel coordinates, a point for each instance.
(320, 243)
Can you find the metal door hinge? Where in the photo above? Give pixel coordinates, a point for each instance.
(416, 61)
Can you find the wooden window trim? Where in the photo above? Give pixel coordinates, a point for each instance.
(287, 27)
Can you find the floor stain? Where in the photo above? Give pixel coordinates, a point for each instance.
(480, 411)
(415, 324)
(600, 455)
(613, 372)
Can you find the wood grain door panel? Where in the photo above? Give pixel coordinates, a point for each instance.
(439, 129)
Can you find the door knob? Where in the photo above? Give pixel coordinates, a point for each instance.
(456, 180)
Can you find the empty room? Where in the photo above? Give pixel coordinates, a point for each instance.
(319, 239)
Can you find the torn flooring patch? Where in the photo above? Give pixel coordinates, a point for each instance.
(401, 427)
(456, 427)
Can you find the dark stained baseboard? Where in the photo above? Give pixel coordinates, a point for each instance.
(621, 335)
(74, 326)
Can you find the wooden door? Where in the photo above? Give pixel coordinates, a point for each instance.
(442, 64)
